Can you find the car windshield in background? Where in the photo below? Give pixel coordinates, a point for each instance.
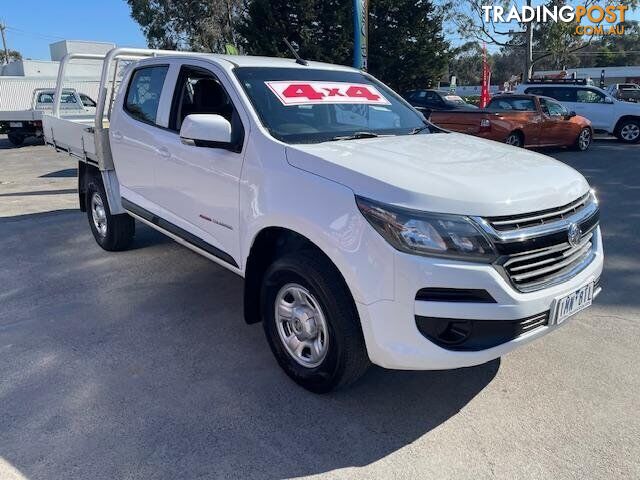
(512, 104)
(311, 106)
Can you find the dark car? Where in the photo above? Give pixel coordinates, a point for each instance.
(428, 101)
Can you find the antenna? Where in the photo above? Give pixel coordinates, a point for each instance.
(299, 59)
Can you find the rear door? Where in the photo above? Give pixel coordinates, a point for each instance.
(134, 131)
(199, 185)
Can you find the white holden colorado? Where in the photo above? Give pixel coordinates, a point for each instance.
(364, 233)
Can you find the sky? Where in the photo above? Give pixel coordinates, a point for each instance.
(31, 32)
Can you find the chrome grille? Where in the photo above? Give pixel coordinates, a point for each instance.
(539, 268)
(516, 222)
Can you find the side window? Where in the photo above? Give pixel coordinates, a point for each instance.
(87, 101)
(143, 93)
(555, 109)
(589, 96)
(563, 94)
(198, 91)
(45, 98)
(536, 91)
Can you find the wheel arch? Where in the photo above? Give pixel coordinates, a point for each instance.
(622, 119)
(269, 244)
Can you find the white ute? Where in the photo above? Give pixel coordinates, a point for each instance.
(364, 234)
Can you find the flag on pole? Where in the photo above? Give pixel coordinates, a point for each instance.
(486, 78)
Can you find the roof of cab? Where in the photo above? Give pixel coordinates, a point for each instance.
(277, 62)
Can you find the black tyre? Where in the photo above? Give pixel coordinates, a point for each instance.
(112, 232)
(516, 139)
(311, 323)
(584, 140)
(16, 139)
(629, 131)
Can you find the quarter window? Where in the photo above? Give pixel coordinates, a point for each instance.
(143, 94)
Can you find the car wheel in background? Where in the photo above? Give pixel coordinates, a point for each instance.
(112, 232)
(584, 140)
(516, 139)
(311, 323)
(16, 139)
(629, 131)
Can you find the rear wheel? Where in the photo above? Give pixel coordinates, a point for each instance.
(516, 139)
(112, 232)
(583, 142)
(629, 131)
(16, 139)
(311, 323)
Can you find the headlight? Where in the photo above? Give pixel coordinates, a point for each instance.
(428, 234)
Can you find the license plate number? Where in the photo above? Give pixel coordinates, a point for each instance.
(15, 124)
(573, 303)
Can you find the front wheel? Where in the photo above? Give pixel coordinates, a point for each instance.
(112, 232)
(516, 139)
(583, 142)
(629, 131)
(311, 323)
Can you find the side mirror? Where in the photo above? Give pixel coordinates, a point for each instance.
(608, 100)
(206, 130)
(572, 114)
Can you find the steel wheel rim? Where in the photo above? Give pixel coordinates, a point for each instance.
(513, 140)
(302, 327)
(585, 139)
(630, 131)
(99, 214)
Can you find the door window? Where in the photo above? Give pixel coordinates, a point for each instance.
(553, 109)
(143, 93)
(198, 91)
(586, 95)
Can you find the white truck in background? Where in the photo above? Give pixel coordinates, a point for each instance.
(363, 233)
(23, 100)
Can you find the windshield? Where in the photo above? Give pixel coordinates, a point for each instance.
(311, 106)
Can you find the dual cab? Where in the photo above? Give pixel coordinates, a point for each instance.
(364, 234)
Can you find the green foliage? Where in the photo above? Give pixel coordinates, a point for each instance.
(407, 48)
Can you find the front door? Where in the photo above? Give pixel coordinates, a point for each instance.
(199, 185)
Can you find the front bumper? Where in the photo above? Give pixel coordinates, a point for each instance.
(392, 336)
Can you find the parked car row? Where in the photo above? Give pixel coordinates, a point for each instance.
(539, 114)
(522, 121)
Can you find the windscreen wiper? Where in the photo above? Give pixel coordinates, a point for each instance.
(356, 136)
(419, 129)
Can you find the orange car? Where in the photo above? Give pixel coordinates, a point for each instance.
(521, 120)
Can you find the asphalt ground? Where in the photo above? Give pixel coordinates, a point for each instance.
(139, 365)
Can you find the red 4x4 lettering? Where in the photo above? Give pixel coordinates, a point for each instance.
(302, 90)
(362, 92)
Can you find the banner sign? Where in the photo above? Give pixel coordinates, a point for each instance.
(309, 93)
(361, 32)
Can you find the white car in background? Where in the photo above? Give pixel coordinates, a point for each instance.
(607, 114)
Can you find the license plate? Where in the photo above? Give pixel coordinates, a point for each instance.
(15, 124)
(573, 303)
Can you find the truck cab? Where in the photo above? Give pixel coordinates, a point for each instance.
(363, 233)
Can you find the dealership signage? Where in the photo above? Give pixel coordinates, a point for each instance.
(308, 93)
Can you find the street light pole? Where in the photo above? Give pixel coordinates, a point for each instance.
(4, 43)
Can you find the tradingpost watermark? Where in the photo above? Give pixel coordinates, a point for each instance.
(589, 20)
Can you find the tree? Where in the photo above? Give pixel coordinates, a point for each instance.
(407, 48)
(405, 36)
(201, 25)
(320, 30)
(537, 43)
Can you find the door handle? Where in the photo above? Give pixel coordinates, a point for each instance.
(164, 152)
(117, 136)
